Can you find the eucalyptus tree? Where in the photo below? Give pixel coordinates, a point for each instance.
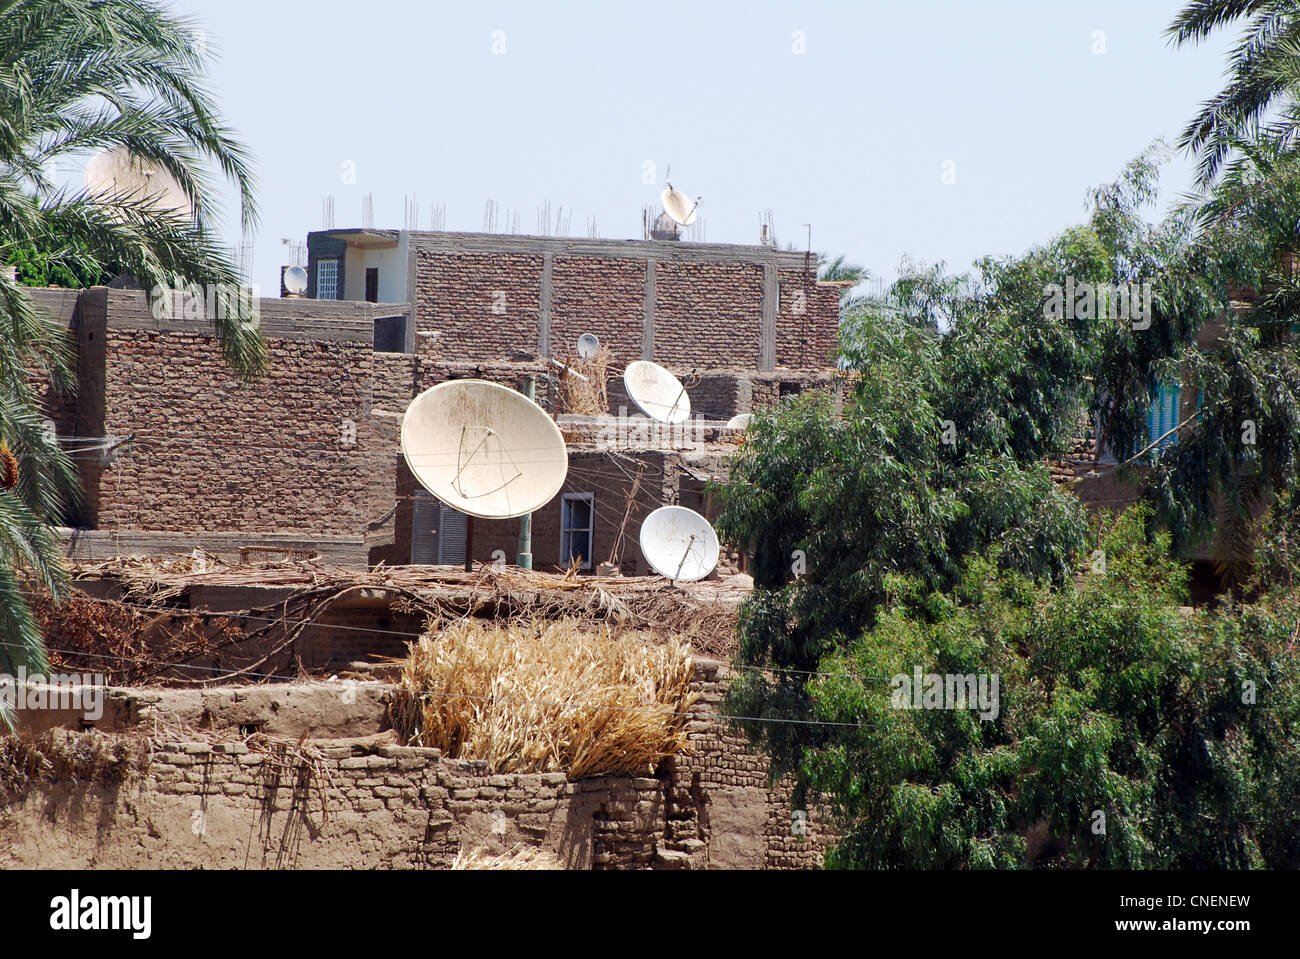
(919, 512)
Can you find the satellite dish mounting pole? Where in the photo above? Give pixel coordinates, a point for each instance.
(469, 544)
(685, 556)
(525, 558)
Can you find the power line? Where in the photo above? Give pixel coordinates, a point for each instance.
(425, 692)
(394, 632)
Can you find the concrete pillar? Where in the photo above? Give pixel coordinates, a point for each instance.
(648, 313)
(544, 306)
(771, 303)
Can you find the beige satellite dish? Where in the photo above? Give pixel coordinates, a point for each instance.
(116, 174)
(740, 421)
(295, 280)
(679, 543)
(484, 449)
(656, 392)
(679, 206)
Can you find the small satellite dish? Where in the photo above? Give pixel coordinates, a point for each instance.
(679, 543)
(656, 392)
(118, 175)
(484, 449)
(740, 421)
(588, 346)
(295, 280)
(679, 206)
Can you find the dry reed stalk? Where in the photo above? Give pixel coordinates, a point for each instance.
(588, 396)
(517, 857)
(705, 613)
(565, 696)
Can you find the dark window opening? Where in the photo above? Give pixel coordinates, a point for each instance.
(390, 334)
(790, 388)
(372, 284)
(577, 515)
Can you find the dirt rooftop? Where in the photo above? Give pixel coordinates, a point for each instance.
(202, 622)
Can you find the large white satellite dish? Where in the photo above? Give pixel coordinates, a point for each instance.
(484, 449)
(295, 280)
(116, 174)
(656, 392)
(679, 543)
(588, 346)
(679, 206)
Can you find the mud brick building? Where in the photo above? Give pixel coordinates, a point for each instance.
(176, 453)
(687, 306)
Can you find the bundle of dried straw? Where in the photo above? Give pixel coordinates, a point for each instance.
(562, 696)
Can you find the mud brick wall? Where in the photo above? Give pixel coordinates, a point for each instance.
(600, 295)
(393, 386)
(708, 315)
(204, 805)
(211, 452)
(59, 404)
(721, 806)
(807, 323)
(59, 307)
(685, 305)
(457, 293)
(589, 472)
(363, 803)
(431, 372)
(720, 395)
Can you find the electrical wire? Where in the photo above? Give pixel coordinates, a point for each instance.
(406, 633)
(425, 692)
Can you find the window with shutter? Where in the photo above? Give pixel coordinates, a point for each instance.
(453, 532)
(327, 279)
(438, 532)
(1162, 416)
(424, 529)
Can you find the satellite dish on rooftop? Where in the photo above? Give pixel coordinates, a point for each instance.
(656, 392)
(484, 449)
(117, 175)
(679, 206)
(295, 280)
(588, 346)
(740, 421)
(679, 543)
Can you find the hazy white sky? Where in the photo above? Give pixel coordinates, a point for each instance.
(841, 115)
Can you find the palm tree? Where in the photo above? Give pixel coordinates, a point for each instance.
(839, 270)
(1263, 70)
(78, 76)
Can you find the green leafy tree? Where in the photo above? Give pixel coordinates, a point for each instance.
(41, 267)
(78, 76)
(1126, 732)
(1223, 302)
(932, 473)
(912, 477)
